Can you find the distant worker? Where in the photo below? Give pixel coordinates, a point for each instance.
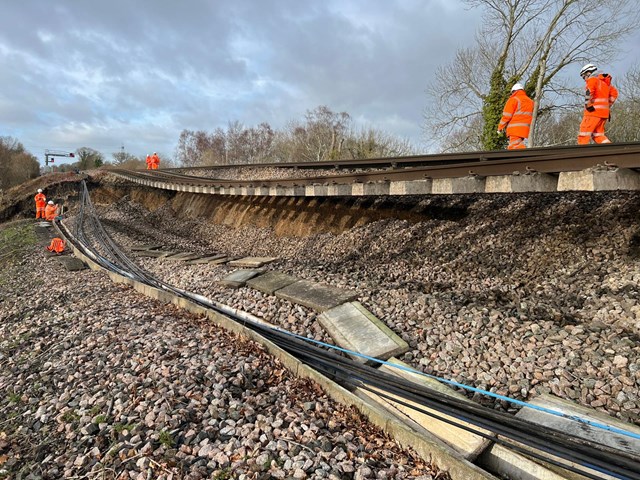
(50, 211)
(155, 161)
(57, 245)
(41, 201)
(599, 95)
(516, 117)
(149, 167)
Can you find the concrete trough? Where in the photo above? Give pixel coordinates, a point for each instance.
(467, 444)
(618, 441)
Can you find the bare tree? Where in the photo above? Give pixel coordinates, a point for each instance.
(530, 41)
(88, 158)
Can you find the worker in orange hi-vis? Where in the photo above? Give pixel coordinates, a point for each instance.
(155, 161)
(516, 117)
(599, 95)
(149, 167)
(50, 211)
(41, 201)
(57, 245)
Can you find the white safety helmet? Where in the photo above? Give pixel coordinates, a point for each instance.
(517, 86)
(50, 202)
(39, 190)
(588, 68)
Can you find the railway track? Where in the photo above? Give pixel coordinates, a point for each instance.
(430, 160)
(549, 445)
(552, 162)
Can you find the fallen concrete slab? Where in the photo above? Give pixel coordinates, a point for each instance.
(238, 278)
(72, 264)
(355, 328)
(315, 295)
(252, 262)
(468, 444)
(155, 253)
(207, 259)
(181, 257)
(270, 282)
(141, 248)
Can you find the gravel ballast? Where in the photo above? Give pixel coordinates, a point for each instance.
(99, 381)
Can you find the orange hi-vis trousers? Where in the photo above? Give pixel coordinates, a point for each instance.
(39, 212)
(592, 127)
(57, 245)
(516, 143)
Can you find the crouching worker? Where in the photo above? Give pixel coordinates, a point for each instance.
(57, 246)
(50, 211)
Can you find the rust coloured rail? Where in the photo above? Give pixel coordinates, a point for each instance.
(553, 161)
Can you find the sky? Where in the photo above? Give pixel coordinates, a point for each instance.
(134, 74)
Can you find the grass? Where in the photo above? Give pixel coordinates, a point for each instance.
(16, 239)
(14, 397)
(166, 439)
(70, 416)
(100, 419)
(121, 427)
(223, 474)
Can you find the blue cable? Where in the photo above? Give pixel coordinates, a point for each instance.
(473, 389)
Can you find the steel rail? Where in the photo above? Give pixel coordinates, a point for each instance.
(352, 373)
(422, 160)
(565, 161)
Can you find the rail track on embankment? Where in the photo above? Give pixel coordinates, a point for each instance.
(423, 174)
(91, 238)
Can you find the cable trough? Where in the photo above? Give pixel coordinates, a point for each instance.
(587, 458)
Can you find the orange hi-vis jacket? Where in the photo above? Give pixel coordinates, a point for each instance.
(50, 212)
(155, 161)
(57, 245)
(517, 115)
(41, 200)
(148, 162)
(599, 95)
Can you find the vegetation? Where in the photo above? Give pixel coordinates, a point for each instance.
(322, 135)
(15, 240)
(16, 164)
(532, 42)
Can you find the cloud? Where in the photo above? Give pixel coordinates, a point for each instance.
(106, 74)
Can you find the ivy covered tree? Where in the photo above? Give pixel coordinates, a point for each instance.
(525, 41)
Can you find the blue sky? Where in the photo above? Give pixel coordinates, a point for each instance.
(106, 74)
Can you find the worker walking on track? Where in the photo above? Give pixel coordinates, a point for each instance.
(599, 95)
(516, 117)
(149, 167)
(57, 245)
(155, 161)
(50, 211)
(41, 201)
